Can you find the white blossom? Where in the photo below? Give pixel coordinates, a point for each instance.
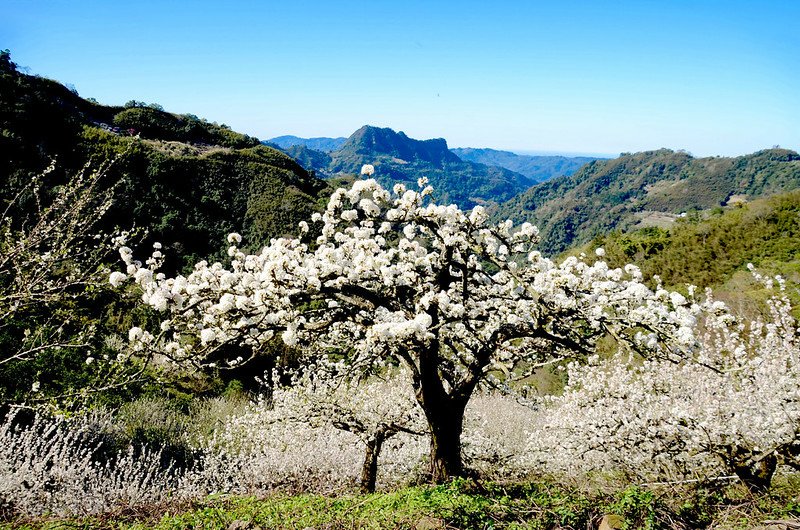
(116, 278)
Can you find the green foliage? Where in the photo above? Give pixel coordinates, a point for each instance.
(191, 199)
(153, 122)
(186, 181)
(465, 505)
(317, 161)
(455, 505)
(189, 182)
(707, 252)
(637, 507)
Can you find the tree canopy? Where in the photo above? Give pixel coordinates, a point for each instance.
(393, 278)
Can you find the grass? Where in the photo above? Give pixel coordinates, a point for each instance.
(461, 504)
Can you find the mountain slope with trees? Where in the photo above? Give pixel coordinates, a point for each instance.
(707, 251)
(188, 181)
(645, 189)
(180, 180)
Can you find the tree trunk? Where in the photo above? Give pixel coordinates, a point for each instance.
(757, 477)
(445, 414)
(369, 471)
(446, 446)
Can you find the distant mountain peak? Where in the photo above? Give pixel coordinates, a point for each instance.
(388, 142)
(538, 168)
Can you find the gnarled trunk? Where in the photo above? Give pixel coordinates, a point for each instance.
(445, 414)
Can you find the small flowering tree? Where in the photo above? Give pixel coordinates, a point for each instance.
(393, 278)
(375, 410)
(733, 407)
(50, 257)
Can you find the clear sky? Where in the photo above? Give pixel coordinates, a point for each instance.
(712, 77)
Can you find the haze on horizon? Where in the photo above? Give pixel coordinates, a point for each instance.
(713, 77)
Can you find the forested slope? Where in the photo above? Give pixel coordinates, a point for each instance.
(645, 189)
(188, 181)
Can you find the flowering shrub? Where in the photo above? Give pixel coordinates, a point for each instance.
(52, 286)
(496, 432)
(292, 445)
(60, 466)
(375, 410)
(394, 278)
(53, 255)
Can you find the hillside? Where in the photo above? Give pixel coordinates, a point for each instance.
(646, 189)
(314, 161)
(188, 181)
(536, 168)
(707, 251)
(317, 144)
(713, 250)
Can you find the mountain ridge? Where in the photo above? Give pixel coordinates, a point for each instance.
(187, 181)
(400, 159)
(320, 143)
(629, 191)
(538, 168)
(397, 158)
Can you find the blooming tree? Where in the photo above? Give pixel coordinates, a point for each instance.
(393, 278)
(733, 407)
(375, 410)
(50, 259)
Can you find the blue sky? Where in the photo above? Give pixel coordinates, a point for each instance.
(711, 77)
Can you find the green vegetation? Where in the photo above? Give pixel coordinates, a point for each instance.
(156, 124)
(186, 181)
(189, 182)
(462, 504)
(707, 252)
(641, 189)
(316, 161)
